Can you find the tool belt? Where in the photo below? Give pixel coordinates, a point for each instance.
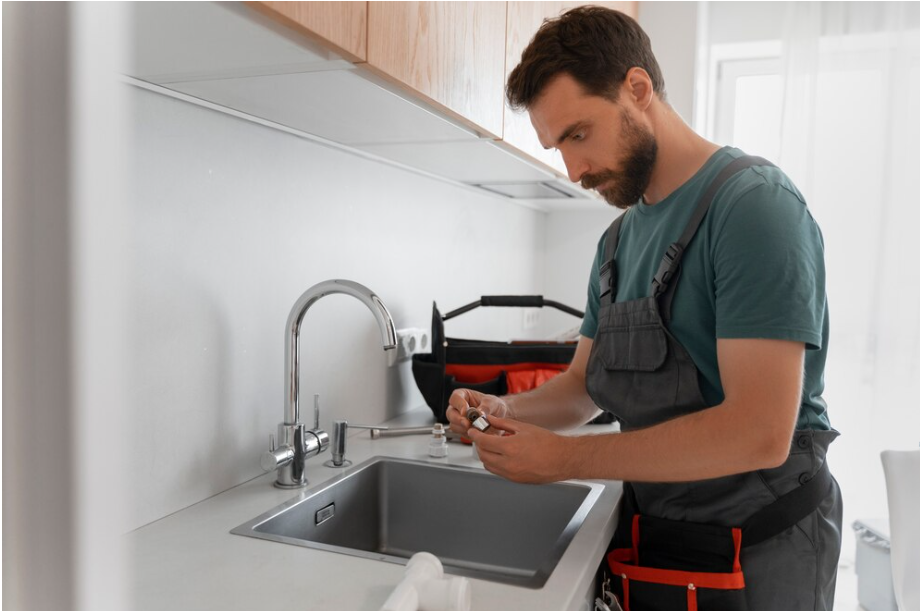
(658, 564)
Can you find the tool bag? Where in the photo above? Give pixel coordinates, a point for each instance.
(491, 367)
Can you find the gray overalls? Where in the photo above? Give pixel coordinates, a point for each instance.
(641, 374)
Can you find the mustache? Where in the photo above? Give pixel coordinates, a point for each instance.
(592, 181)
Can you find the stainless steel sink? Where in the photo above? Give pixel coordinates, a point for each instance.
(479, 525)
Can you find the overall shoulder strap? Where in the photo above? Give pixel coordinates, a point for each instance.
(609, 269)
(669, 268)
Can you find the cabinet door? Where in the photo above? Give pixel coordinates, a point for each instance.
(524, 19)
(453, 53)
(343, 24)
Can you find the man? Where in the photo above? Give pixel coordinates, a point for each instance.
(711, 356)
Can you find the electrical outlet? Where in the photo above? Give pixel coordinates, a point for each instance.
(412, 341)
(531, 318)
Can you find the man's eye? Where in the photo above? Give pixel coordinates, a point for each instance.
(577, 137)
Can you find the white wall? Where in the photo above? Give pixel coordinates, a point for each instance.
(672, 28)
(733, 22)
(570, 246)
(231, 222)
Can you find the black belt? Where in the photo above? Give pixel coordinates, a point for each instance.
(771, 520)
(787, 510)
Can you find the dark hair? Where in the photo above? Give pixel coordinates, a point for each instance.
(596, 46)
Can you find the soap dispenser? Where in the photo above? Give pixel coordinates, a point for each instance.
(437, 446)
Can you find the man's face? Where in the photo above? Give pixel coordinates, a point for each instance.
(602, 145)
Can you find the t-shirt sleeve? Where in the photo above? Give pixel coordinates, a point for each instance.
(768, 262)
(589, 324)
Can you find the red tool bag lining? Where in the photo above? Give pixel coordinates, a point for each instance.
(519, 376)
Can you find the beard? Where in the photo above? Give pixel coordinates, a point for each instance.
(624, 188)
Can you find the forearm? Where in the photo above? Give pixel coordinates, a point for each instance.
(715, 442)
(559, 404)
(751, 429)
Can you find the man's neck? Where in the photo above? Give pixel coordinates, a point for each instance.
(681, 153)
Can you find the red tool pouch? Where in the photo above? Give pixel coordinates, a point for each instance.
(679, 565)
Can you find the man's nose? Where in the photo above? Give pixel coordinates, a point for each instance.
(575, 166)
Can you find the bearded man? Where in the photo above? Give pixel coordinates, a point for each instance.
(705, 336)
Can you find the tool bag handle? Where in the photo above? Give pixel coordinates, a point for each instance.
(513, 301)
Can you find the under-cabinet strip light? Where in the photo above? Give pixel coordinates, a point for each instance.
(130, 80)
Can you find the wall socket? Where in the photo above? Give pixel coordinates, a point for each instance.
(531, 318)
(412, 341)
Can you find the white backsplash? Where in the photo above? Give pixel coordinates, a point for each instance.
(232, 221)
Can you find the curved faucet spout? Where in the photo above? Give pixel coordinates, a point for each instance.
(292, 333)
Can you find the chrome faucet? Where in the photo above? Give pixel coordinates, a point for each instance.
(298, 443)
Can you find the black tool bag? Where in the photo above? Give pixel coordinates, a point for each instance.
(491, 367)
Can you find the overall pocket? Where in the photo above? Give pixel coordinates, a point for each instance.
(637, 370)
(635, 348)
(679, 565)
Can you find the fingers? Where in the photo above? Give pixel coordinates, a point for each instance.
(464, 398)
(487, 440)
(461, 400)
(492, 457)
(521, 452)
(458, 423)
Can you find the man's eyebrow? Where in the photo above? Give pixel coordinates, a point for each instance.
(568, 132)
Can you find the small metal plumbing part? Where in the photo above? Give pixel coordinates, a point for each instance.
(477, 419)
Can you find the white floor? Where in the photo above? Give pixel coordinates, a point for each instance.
(845, 596)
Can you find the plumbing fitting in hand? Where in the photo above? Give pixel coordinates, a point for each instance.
(477, 419)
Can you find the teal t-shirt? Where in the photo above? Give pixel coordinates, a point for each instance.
(755, 269)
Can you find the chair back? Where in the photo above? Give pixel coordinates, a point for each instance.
(902, 476)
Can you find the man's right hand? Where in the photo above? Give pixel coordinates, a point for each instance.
(464, 398)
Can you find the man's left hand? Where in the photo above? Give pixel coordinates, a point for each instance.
(523, 452)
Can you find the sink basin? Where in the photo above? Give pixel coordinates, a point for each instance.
(478, 524)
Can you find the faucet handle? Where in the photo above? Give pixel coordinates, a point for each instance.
(273, 459)
(316, 412)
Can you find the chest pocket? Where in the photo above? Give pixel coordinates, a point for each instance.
(633, 338)
(637, 370)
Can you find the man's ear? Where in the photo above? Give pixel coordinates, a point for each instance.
(638, 86)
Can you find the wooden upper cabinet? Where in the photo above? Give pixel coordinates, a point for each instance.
(340, 25)
(524, 19)
(453, 53)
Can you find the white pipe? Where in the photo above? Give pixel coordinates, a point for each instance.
(424, 588)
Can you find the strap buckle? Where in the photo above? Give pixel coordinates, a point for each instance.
(608, 279)
(669, 263)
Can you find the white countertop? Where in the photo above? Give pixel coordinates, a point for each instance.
(189, 560)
